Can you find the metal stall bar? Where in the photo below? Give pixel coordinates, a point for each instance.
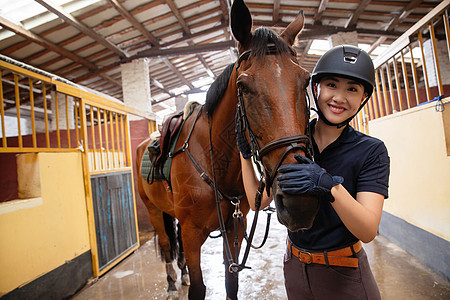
(372, 108)
(436, 60)
(385, 96)
(67, 120)
(405, 80)
(58, 134)
(2, 113)
(17, 94)
(94, 159)
(99, 129)
(105, 123)
(33, 121)
(118, 142)
(44, 95)
(123, 138)
(414, 74)
(397, 83)
(447, 31)
(391, 86)
(111, 129)
(378, 110)
(424, 66)
(76, 109)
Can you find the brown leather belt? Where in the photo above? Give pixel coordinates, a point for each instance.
(342, 257)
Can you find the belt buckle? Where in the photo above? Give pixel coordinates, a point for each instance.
(307, 254)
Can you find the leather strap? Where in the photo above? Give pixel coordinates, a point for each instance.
(341, 258)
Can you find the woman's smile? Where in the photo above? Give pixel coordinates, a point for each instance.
(336, 109)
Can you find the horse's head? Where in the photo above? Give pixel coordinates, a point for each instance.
(272, 94)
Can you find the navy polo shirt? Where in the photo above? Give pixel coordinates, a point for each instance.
(363, 161)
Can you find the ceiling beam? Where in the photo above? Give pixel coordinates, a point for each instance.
(177, 14)
(377, 43)
(154, 53)
(130, 18)
(68, 18)
(187, 30)
(44, 43)
(276, 11)
(177, 73)
(357, 13)
(178, 51)
(320, 9)
(404, 13)
(225, 7)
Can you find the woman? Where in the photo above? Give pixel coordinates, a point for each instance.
(350, 174)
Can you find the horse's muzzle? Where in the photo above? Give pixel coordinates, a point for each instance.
(296, 212)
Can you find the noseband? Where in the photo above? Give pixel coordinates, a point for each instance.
(301, 141)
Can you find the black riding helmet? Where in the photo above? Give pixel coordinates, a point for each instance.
(349, 62)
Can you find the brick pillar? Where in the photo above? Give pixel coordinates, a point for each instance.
(343, 38)
(62, 121)
(136, 93)
(136, 85)
(180, 102)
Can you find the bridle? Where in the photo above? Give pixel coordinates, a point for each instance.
(291, 143)
(301, 141)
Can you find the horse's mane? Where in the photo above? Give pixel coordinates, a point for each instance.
(217, 89)
(261, 39)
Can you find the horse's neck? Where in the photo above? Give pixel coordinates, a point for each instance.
(226, 109)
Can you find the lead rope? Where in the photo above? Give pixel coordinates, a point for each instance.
(235, 267)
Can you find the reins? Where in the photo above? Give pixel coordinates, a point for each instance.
(219, 195)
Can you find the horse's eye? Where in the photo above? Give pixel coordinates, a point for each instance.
(244, 89)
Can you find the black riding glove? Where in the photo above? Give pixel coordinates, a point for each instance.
(242, 142)
(307, 177)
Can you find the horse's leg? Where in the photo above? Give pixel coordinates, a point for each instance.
(193, 239)
(181, 260)
(157, 220)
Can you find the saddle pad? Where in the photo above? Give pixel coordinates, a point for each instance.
(147, 164)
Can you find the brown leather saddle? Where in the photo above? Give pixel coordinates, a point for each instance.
(159, 150)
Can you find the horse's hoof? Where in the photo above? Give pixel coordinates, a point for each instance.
(185, 280)
(172, 295)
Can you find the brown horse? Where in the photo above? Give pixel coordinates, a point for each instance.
(270, 86)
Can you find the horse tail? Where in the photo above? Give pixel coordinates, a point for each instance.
(171, 230)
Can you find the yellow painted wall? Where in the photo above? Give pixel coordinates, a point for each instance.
(419, 185)
(37, 238)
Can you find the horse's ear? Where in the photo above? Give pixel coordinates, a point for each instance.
(293, 29)
(241, 22)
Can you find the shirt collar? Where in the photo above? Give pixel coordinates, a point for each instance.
(348, 135)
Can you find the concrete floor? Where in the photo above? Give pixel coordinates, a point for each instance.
(142, 275)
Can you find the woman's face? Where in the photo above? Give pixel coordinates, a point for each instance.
(339, 98)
